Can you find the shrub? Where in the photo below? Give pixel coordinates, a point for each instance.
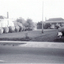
(1, 30)
(11, 28)
(6, 29)
(47, 25)
(17, 28)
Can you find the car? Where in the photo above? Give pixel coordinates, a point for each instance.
(61, 32)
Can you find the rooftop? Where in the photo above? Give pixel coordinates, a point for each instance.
(2, 17)
(55, 19)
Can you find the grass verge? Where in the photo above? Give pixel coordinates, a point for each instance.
(48, 36)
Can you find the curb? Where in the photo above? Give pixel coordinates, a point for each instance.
(36, 44)
(12, 42)
(44, 45)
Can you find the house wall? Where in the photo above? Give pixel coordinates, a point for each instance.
(55, 23)
(6, 22)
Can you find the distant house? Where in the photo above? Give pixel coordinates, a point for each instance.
(55, 22)
(55, 19)
(4, 22)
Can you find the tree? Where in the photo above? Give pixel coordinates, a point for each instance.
(1, 17)
(47, 25)
(29, 24)
(39, 25)
(21, 20)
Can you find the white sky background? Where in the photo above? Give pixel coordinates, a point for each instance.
(32, 9)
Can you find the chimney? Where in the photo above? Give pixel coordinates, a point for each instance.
(8, 18)
(7, 15)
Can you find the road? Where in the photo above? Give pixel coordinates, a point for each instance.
(15, 54)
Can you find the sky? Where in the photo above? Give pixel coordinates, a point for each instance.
(36, 10)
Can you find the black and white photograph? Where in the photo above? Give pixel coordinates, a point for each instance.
(31, 31)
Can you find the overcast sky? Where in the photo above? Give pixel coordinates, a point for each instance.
(32, 9)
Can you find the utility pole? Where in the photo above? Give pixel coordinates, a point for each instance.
(42, 16)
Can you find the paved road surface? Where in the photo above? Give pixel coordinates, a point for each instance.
(15, 54)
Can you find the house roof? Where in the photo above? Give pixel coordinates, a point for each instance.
(2, 17)
(55, 19)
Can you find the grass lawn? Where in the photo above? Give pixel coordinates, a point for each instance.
(48, 36)
(31, 34)
(37, 35)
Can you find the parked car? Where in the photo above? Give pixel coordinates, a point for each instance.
(61, 32)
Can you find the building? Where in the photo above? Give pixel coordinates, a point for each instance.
(6, 21)
(55, 22)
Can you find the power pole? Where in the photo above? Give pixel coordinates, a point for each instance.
(42, 16)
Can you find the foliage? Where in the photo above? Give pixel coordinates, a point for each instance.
(47, 25)
(29, 24)
(11, 29)
(17, 28)
(21, 20)
(39, 25)
(1, 30)
(1, 17)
